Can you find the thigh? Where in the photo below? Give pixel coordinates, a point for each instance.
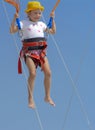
(46, 66)
(30, 64)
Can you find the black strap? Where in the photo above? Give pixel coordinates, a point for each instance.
(35, 48)
(38, 39)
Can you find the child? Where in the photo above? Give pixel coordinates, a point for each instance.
(34, 47)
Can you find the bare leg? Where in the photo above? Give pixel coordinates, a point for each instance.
(32, 74)
(47, 82)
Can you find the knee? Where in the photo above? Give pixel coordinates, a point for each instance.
(48, 73)
(32, 75)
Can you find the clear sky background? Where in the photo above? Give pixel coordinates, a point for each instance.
(71, 53)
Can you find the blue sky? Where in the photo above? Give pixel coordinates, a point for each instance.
(71, 56)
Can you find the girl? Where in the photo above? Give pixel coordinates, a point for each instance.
(34, 47)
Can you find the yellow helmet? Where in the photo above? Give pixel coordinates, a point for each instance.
(33, 5)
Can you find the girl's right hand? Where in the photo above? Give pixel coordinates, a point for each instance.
(16, 15)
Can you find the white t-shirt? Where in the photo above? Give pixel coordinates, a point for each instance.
(32, 29)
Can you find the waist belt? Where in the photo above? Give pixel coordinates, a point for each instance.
(31, 44)
(35, 39)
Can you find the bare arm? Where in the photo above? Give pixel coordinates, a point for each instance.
(13, 27)
(53, 29)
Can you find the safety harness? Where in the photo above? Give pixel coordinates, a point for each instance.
(28, 47)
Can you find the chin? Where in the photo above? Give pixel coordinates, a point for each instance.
(35, 20)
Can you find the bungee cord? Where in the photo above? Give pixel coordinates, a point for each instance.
(24, 72)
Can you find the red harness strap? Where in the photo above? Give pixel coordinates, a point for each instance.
(25, 50)
(30, 44)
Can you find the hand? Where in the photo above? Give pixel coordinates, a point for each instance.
(16, 15)
(52, 14)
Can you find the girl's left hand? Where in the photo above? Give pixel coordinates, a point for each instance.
(52, 14)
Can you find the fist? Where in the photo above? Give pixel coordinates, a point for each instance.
(16, 15)
(52, 14)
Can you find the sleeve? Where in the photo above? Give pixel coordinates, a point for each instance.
(21, 24)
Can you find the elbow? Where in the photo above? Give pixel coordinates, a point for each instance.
(53, 31)
(12, 30)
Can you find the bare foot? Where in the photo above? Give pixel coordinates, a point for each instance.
(31, 103)
(50, 101)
